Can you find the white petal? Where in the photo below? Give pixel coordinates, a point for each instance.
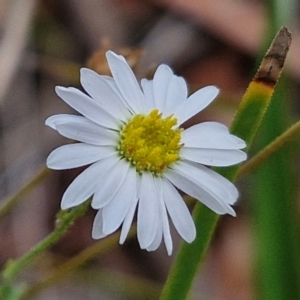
(126, 81)
(61, 118)
(211, 135)
(221, 187)
(115, 211)
(161, 81)
(128, 220)
(130, 214)
(87, 107)
(111, 82)
(205, 185)
(195, 103)
(97, 231)
(147, 86)
(213, 157)
(166, 232)
(157, 239)
(83, 186)
(148, 213)
(177, 93)
(82, 129)
(76, 155)
(192, 189)
(86, 131)
(99, 89)
(115, 175)
(178, 212)
(163, 229)
(164, 216)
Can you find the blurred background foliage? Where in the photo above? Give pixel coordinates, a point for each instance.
(44, 43)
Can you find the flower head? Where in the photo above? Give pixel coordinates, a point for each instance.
(138, 155)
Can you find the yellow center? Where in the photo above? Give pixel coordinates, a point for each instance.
(149, 143)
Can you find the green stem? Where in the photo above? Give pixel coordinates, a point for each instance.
(14, 267)
(183, 271)
(68, 267)
(274, 205)
(274, 212)
(11, 201)
(269, 150)
(246, 122)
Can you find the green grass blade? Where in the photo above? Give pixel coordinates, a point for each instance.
(245, 124)
(275, 227)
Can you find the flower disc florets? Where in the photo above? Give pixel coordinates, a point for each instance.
(150, 143)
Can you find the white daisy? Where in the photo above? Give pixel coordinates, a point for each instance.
(139, 155)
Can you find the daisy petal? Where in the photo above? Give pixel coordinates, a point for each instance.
(211, 135)
(195, 103)
(111, 82)
(110, 185)
(166, 231)
(161, 81)
(86, 131)
(82, 187)
(126, 81)
(147, 86)
(213, 157)
(115, 211)
(102, 92)
(177, 93)
(61, 118)
(148, 214)
(164, 217)
(76, 155)
(226, 190)
(192, 189)
(163, 229)
(219, 186)
(130, 214)
(205, 188)
(128, 220)
(157, 240)
(87, 107)
(97, 231)
(178, 212)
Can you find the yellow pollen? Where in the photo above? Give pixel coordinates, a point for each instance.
(150, 143)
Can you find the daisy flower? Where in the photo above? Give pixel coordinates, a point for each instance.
(138, 154)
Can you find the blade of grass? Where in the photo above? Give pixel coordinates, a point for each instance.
(274, 219)
(273, 199)
(245, 125)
